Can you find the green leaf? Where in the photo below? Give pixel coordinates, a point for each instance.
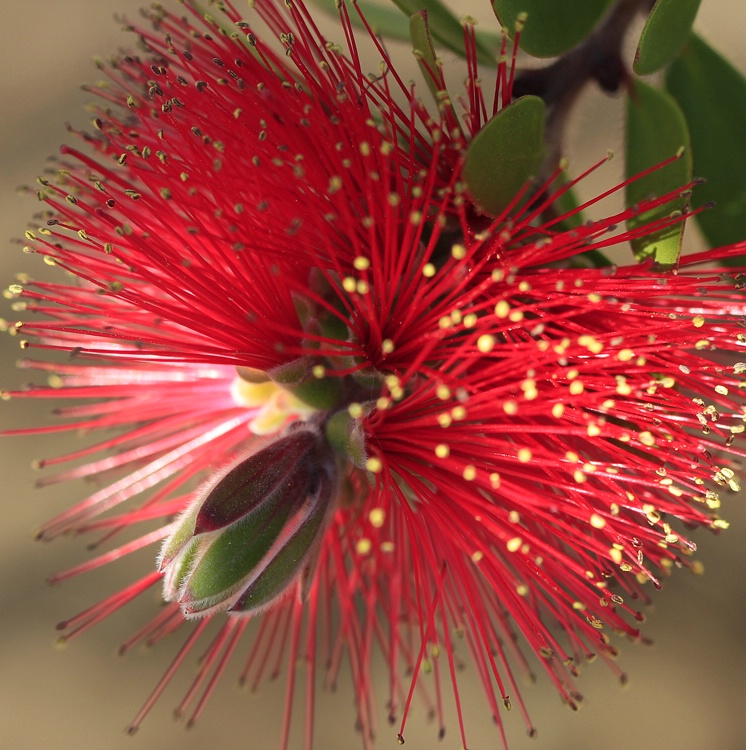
(506, 154)
(390, 25)
(446, 29)
(712, 95)
(656, 131)
(552, 26)
(422, 46)
(665, 32)
(387, 22)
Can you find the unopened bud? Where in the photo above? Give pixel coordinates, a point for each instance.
(253, 532)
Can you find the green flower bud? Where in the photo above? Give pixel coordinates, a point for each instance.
(253, 532)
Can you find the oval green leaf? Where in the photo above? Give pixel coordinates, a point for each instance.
(552, 27)
(447, 30)
(506, 154)
(422, 47)
(666, 31)
(712, 95)
(656, 131)
(383, 20)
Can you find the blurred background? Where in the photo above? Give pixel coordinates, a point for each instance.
(687, 691)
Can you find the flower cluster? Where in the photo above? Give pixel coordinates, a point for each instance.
(342, 397)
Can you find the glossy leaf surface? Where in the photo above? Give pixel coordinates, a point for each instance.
(447, 30)
(552, 27)
(506, 154)
(712, 95)
(666, 30)
(656, 131)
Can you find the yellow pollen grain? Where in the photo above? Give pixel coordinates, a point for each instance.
(576, 387)
(698, 321)
(521, 589)
(495, 480)
(486, 343)
(470, 320)
(477, 556)
(721, 389)
(502, 309)
(377, 517)
(510, 408)
(383, 403)
(529, 392)
(524, 455)
(428, 270)
(443, 392)
(387, 546)
(444, 419)
(558, 410)
(374, 465)
(593, 430)
(598, 522)
(593, 297)
(318, 371)
(524, 286)
(387, 346)
(497, 275)
(362, 287)
(516, 316)
(355, 410)
(363, 546)
(572, 457)
(647, 438)
(361, 263)
(349, 284)
(578, 476)
(615, 555)
(514, 544)
(469, 473)
(458, 413)
(625, 355)
(442, 450)
(458, 252)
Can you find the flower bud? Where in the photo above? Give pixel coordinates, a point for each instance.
(252, 532)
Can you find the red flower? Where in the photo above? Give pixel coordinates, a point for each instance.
(459, 431)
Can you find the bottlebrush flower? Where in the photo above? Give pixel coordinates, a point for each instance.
(339, 396)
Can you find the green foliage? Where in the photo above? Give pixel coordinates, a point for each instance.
(552, 27)
(656, 131)
(447, 30)
(506, 154)
(665, 32)
(712, 95)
